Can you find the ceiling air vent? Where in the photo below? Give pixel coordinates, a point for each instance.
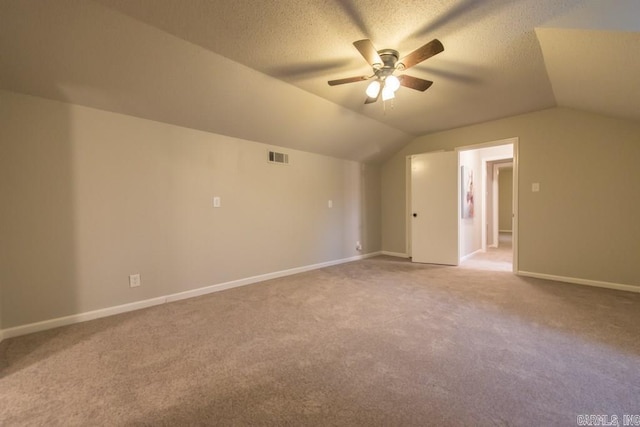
(275, 157)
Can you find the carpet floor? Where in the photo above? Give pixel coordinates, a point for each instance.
(380, 341)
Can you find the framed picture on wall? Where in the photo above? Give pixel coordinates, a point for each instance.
(466, 192)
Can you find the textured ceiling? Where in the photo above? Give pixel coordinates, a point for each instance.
(492, 65)
(258, 70)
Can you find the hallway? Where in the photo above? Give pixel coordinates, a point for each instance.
(494, 259)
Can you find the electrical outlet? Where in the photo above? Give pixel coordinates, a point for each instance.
(134, 280)
(358, 246)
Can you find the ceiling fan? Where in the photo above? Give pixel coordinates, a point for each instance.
(385, 62)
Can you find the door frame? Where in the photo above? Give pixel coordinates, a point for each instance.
(515, 142)
(491, 215)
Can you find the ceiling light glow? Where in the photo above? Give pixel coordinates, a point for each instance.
(387, 93)
(392, 83)
(373, 89)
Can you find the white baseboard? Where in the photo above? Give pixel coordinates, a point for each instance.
(395, 254)
(81, 317)
(586, 282)
(466, 257)
(261, 278)
(137, 305)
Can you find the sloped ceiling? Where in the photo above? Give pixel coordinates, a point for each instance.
(588, 72)
(592, 57)
(258, 70)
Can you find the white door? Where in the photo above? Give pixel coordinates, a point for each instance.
(435, 208)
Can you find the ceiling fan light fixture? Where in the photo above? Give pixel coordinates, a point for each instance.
(387, 93)
(373, 89)
(392, 83)
(384, 63)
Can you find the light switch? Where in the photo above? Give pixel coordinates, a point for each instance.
(216, 202)
(330, 203)
(535, 187)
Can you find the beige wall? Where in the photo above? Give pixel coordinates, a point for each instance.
(583, 223)
(505, 199)
(90, 197)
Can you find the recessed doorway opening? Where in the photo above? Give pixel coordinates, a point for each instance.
(496, 200)
(486, 231)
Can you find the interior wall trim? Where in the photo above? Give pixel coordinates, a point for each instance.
(395, 254)
(585, 282)
(466, 257)
(138, 305)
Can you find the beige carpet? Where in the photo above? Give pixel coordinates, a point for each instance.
(494, 259)
(374, 342)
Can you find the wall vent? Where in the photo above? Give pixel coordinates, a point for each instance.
(281, 158)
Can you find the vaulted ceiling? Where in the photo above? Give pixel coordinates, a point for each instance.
(259, 70)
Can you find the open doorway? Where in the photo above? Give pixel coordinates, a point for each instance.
(490, 241)
(434, 225)
(499, 202)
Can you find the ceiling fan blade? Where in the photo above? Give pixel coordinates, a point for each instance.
(430, 49)
(369, 52)
(415, 83)
(347, 80)
(370, 100)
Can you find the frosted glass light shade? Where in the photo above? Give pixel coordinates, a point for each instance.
(373, 89)
(392, 83)
(387, 93)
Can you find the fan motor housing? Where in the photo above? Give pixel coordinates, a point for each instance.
(389, 58)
